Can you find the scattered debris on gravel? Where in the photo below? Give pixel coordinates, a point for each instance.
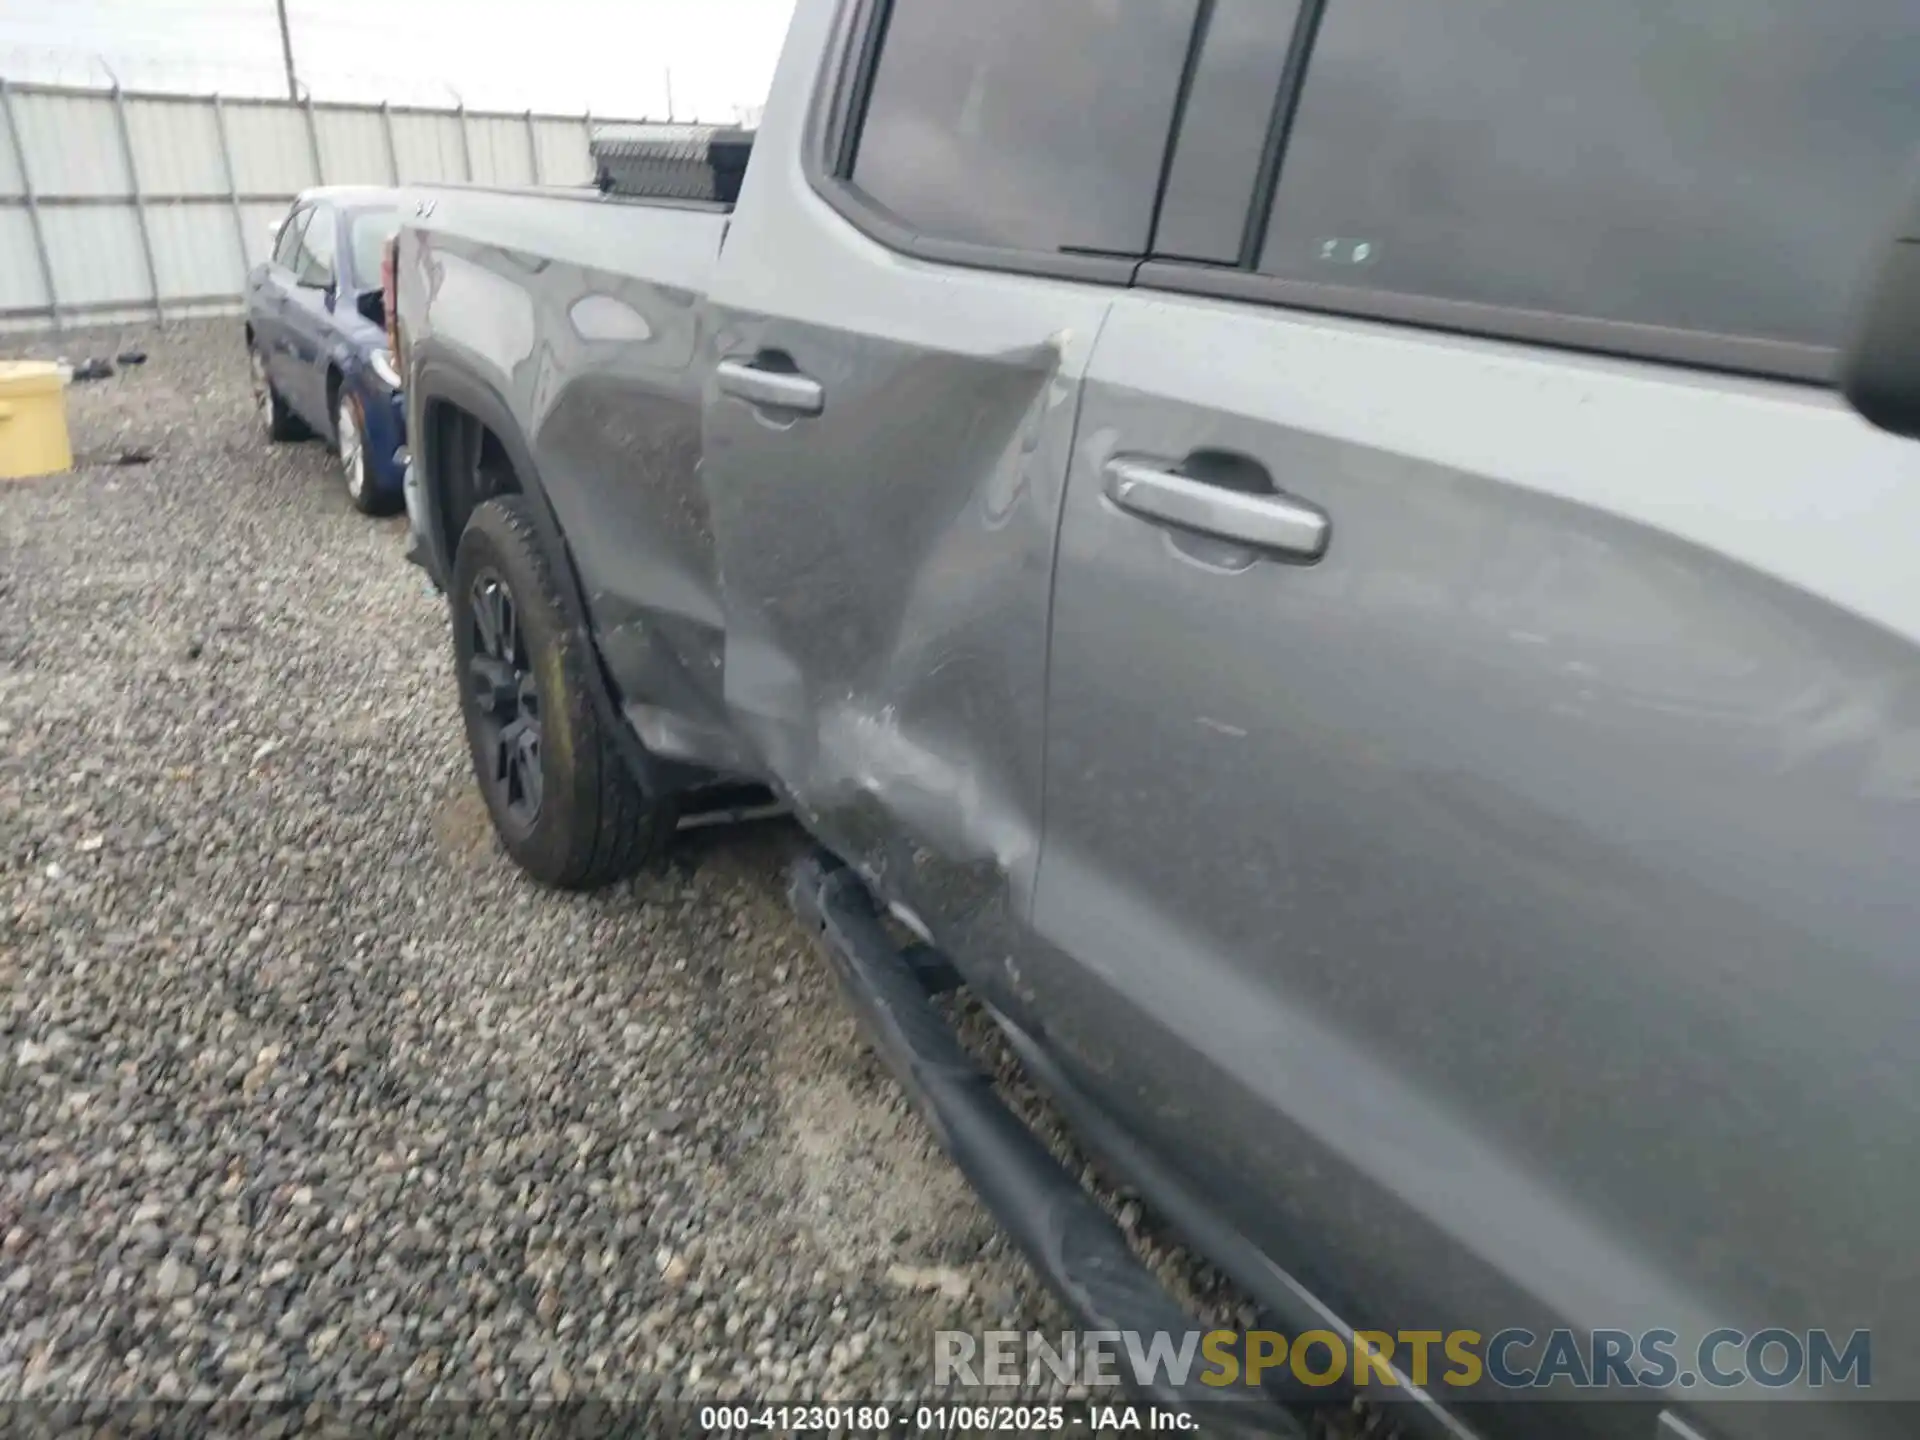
(307, 1092)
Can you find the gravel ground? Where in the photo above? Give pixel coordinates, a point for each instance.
(306, 1092)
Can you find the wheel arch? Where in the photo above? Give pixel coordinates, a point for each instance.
(467, 448)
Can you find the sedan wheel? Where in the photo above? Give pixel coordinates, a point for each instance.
(262, 392)
(353, 448)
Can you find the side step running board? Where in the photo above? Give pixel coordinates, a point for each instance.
(727, 803)
(1068, 1239)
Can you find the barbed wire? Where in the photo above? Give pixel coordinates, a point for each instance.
(171, 74)
(51, 65)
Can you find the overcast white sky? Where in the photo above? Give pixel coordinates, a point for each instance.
(610, 56)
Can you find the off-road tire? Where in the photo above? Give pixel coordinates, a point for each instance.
(592, 823)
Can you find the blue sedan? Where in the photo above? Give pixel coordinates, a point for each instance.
(317, 339)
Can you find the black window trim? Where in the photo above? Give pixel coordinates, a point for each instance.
(832, 136)
(1182, 96)
(1286, 104)
(827, 154)
(1738, 354)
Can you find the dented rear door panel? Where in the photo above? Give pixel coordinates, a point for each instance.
(885, 569)
(885, 565)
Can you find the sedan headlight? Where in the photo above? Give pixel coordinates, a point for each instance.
(382, 363)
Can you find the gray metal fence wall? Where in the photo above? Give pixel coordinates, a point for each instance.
(118, 205)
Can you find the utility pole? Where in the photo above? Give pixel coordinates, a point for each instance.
(669, 92)
(286, 50)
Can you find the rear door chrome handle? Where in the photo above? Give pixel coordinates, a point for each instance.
(775, 389)
(1276, 523)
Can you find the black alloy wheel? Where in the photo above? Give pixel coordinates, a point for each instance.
(563, 800)
(506, 699)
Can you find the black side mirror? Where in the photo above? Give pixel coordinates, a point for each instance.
(372, 305)
(1880, 366)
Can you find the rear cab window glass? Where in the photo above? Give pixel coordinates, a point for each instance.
(1031, 124)
(1722, 166)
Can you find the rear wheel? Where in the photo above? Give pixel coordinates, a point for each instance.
(279, 422)
(563, 801)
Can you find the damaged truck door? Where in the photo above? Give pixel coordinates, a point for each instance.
(887, 437)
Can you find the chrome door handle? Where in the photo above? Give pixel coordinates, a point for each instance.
(1278, 523)
(775, 389)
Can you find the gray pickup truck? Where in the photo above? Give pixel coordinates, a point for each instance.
(1317, 555)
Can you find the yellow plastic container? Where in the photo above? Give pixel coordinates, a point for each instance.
(33, 420)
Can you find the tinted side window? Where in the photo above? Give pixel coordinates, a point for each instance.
(286, 248)
(1039, 124)
(317, 247)
(1721, 165)
(1223, 130)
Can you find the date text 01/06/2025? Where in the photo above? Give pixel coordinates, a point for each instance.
(961, 1419)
